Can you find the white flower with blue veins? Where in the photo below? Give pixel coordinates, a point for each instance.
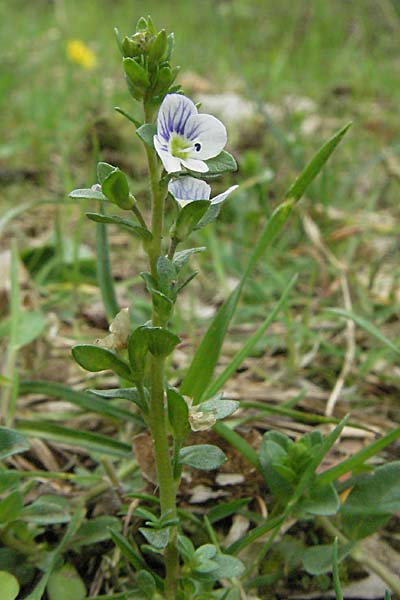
(186, 138)
(187, 189)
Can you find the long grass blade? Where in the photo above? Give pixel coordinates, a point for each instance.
(82, 399)
(94, 442)
(369, 328)
(249, 345)
(202, 367)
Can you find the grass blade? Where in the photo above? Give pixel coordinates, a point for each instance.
(94, 442)
(369, 328)
(82, 399)
(202, 367)
(315, 165)
(205, 359)
(249, 345)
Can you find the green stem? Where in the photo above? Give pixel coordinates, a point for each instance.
(165, 476)
(157, 413)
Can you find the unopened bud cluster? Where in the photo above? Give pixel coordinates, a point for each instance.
(146, 62)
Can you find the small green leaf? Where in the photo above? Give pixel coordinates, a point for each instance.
(94, 358)
(66, 584)
(94, 531)
(9, 586)
(103, 171)
(156, 537)
(131, 394)
(318, 559)
(274, 453)
(11, 507)
(128, 116)
(140, 232)
(209, 216)
(228, 567)
(137, 351)
(220, 408)
(205, 457)
(178, 413)
(223, 163)
(11, 442)
(158, 47)
(315, 165)
(30, 325)
(116, 188)
(46, 510)
(166, 273)
(146, 584)
(87, 194)
(188, 218)
(146, 133)
(138, 76)
(160, 341)
(371, 502)
(322, 500)
(181, 258)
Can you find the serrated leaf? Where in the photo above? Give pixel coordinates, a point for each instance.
(11, 442)
(205, 457)
(94, 358)
(146, 133)
(136, 230)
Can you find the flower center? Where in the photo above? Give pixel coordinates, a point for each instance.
(179, 147)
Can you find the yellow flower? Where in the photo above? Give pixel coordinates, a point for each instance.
(80, 54)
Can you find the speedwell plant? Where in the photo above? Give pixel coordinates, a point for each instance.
(185, 151)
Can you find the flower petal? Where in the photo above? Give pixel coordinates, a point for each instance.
(187, 189)
(171, 163)
(195, 165)
(207, 134)
(221, 197)
(173, 115)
